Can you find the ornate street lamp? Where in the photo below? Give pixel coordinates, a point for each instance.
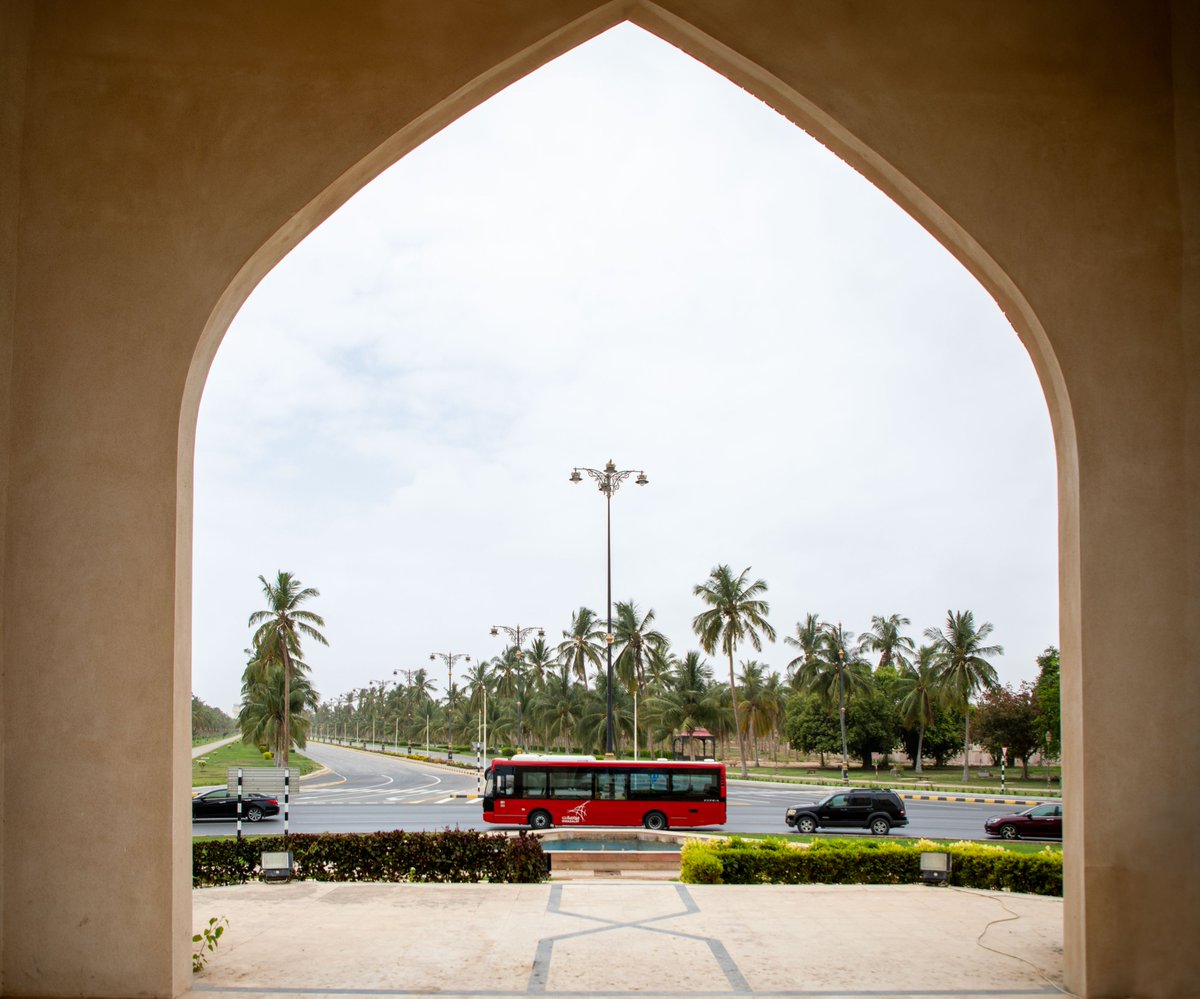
(449, 658)
(609, 481)
(518, 636)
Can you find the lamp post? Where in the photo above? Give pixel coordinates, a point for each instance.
(609, 480)
(376, 705)
(449, 658)
(842, 701)
(518, 636)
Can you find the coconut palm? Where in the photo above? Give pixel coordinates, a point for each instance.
(961, 668)
(735, 613)
(539, 660)
(836, 669)
(279, 628)
(557, 708)
(885, 637)
(263, 719)
(808, 641)
(686, 701)
(634, 642)
(583, 645)
(755, 707)
(917, 691)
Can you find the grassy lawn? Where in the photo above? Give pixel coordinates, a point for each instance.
(939, 778)
(200, 740)
(237, 754)
(1019, 846)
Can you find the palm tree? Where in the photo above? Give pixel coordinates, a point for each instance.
(775, 696)
(557, 707)
(263, 718)
(686, 701)
(836, 665)
(735, 612)
(539, 661)
(583, 645)
(756, 714)
(917, 691)
(808, 641)
(634, 643)
(279, 629)
(961, 669)
(885, 638)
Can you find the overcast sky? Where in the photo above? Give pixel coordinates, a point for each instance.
(621, 256)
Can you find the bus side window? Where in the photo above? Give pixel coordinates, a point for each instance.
(533, 784)
(571, 782)
(649, 784)
(694, 786)
(611, 785)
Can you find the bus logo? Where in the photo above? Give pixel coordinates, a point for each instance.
(576, 815)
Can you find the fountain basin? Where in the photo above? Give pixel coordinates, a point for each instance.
(607, 853)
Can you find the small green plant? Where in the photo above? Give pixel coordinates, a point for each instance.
(207, 940)
(268, 755)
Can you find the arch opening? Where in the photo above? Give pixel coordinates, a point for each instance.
(799, 111)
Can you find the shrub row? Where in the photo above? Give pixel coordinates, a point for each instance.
(453, 855)
(872, 862)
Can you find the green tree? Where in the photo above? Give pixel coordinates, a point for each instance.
(756, 703)
(557, 707)
(808, 641)
(635, 641)
(885, 637)
(686, 702)
(1049, 699)
(835, 672)
(917, 693)
(872, 720)
(210, 721)
(583, 645)
(1007, 717)
(735, 613)
(279, 628)
(272, 706)
(961, 667)
(809, 726)
(943, 739)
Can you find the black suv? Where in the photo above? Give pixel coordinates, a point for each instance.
(856, 809)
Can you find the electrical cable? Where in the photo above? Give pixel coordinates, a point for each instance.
(1012, 916)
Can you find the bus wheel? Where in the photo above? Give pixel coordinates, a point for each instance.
(655, 820)
(539, 819)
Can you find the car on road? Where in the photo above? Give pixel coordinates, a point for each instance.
(877, 810)
(220, 804)
(1042, 821)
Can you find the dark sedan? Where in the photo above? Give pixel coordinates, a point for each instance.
(220, 804)
(1039, 822)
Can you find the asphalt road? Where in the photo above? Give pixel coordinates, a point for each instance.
(364, 792)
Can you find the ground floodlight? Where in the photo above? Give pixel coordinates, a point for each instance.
(277, 867)
(935, 868)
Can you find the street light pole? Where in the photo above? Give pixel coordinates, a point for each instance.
(376, 706)
(449, 658)
(608, 481)
(518, 636)
(842, 701)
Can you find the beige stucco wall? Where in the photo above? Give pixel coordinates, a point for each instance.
(158, 159)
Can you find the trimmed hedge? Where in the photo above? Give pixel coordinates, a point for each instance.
(871, 862)
(453, 855)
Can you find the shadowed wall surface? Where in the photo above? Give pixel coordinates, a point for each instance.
(156, 160)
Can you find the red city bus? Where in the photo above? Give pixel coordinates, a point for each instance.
(544, 791)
